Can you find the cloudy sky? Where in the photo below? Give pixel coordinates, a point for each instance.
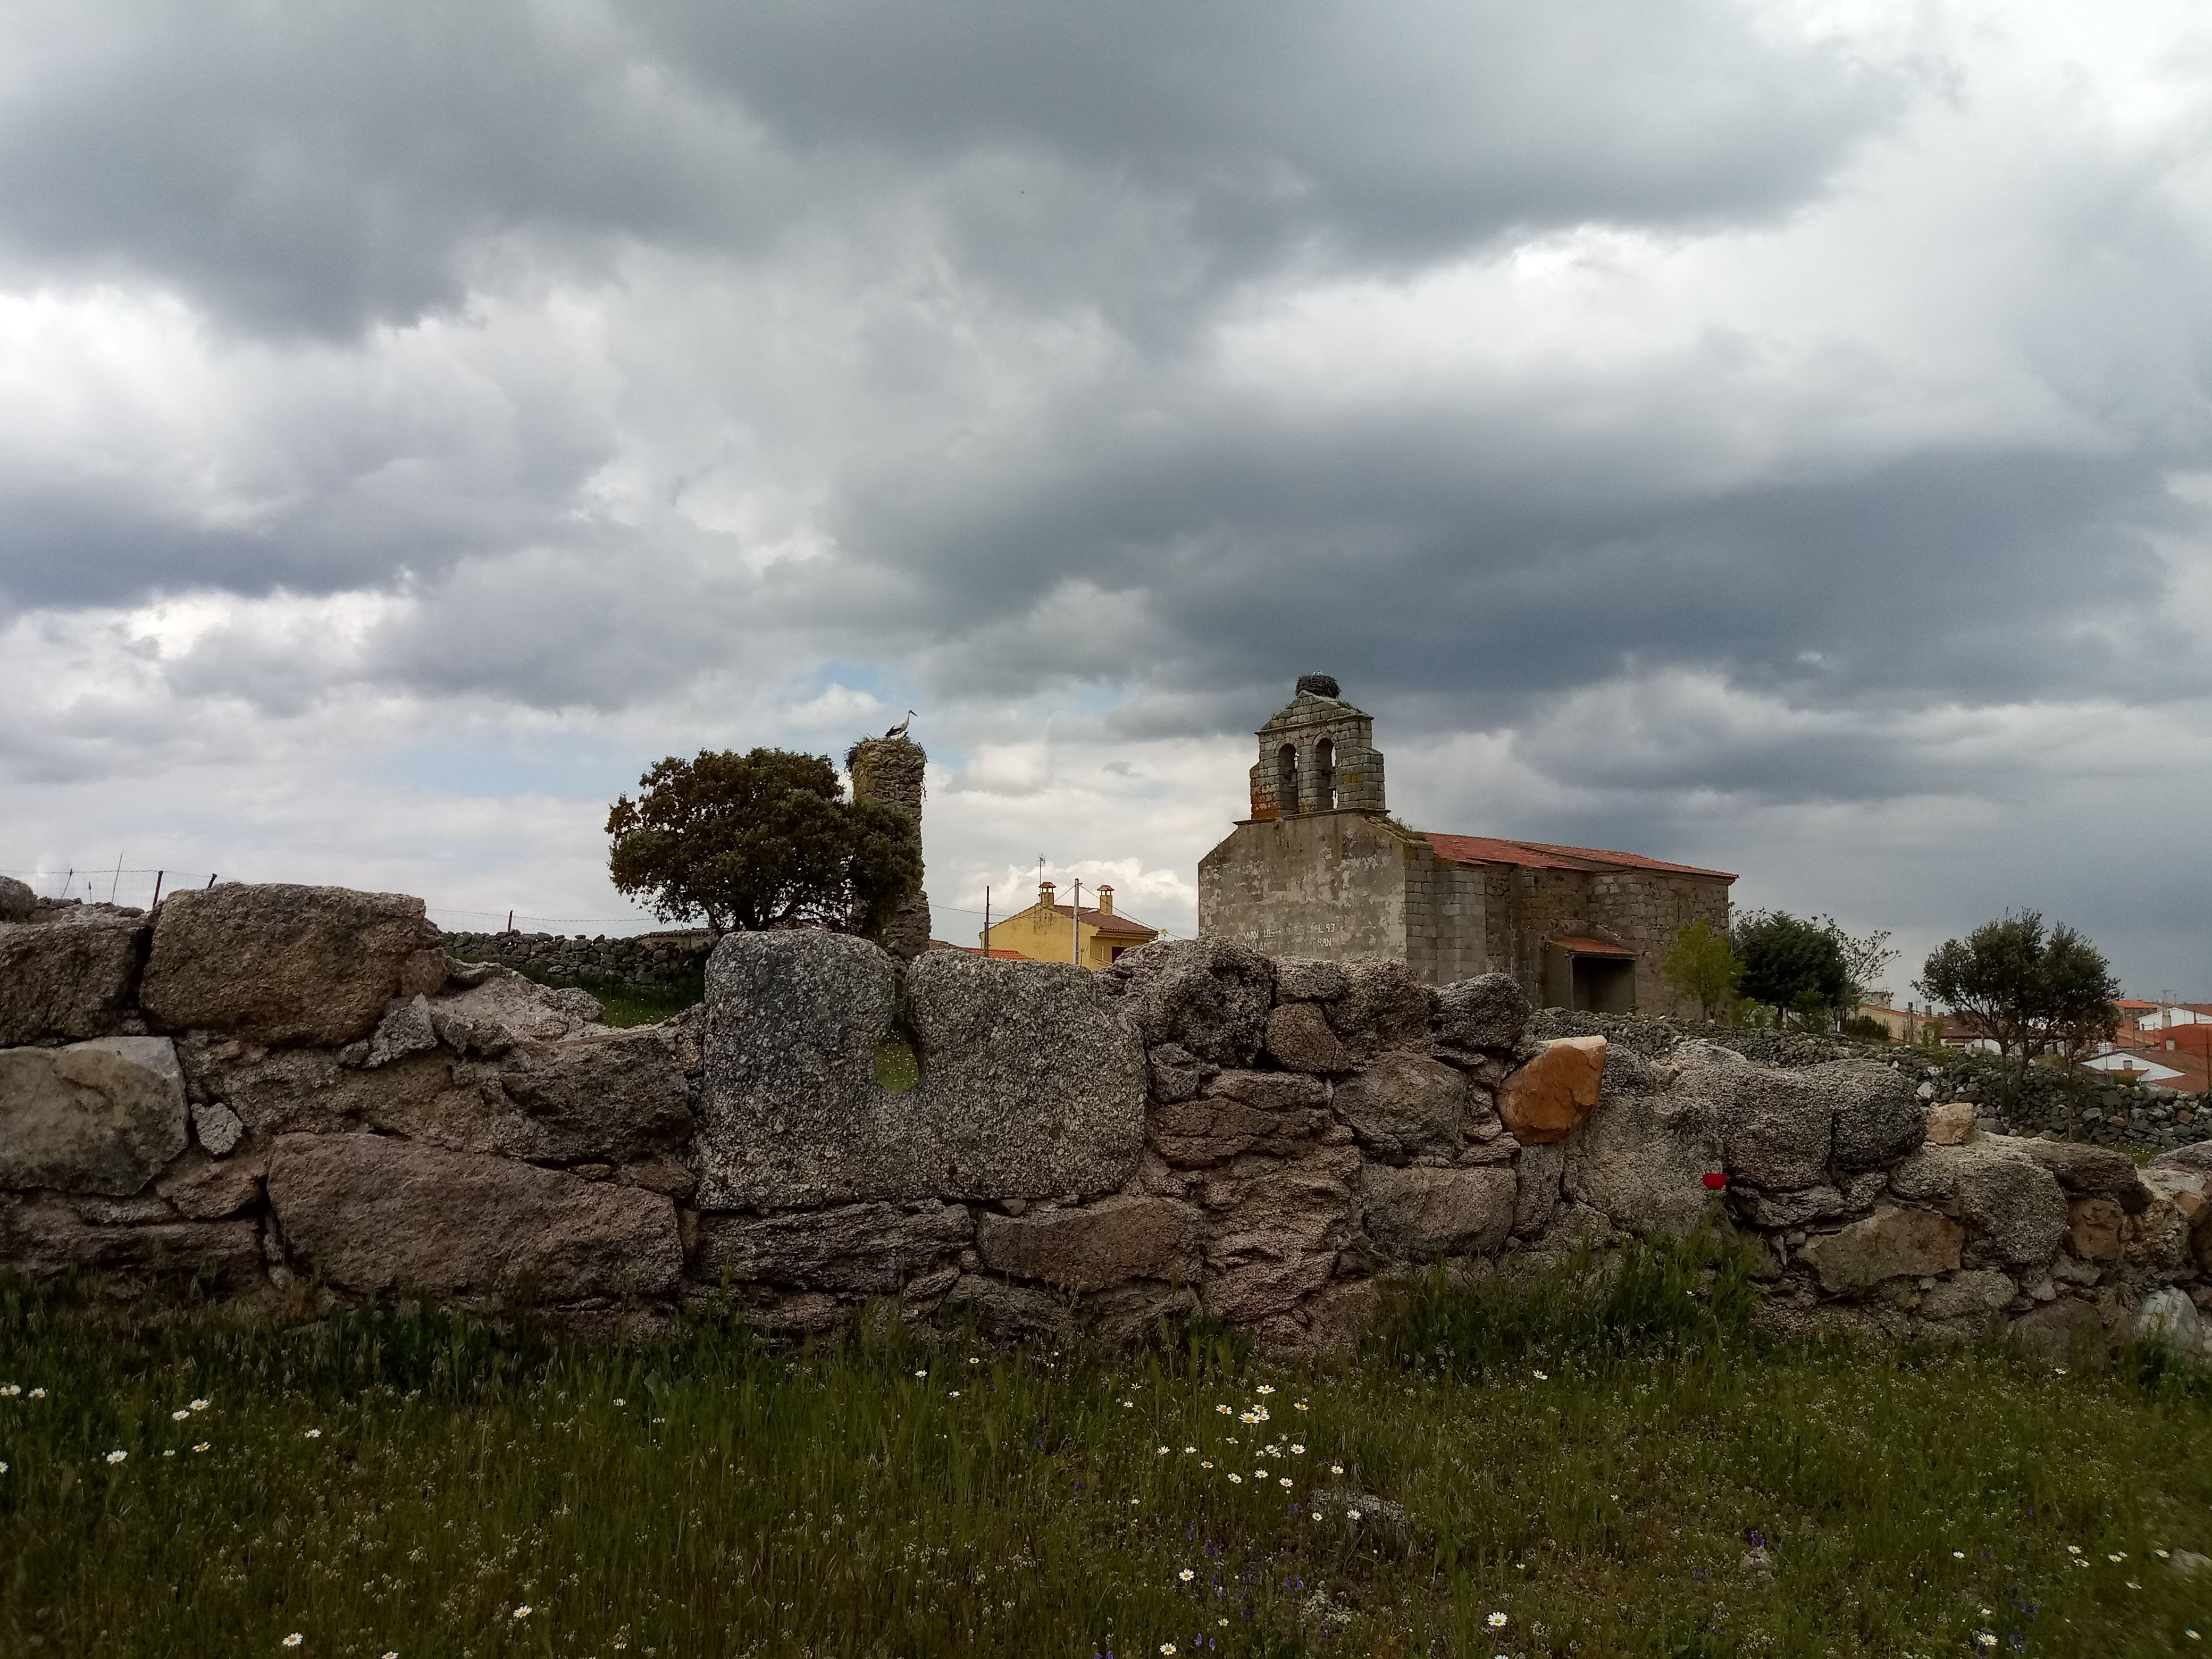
(1773, 436)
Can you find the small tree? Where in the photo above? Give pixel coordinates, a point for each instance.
(1791, 965)
(2026, 990)
(1866, 957)
(760, 839)
(1702, 967)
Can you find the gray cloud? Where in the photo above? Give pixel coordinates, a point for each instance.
(1720, 419)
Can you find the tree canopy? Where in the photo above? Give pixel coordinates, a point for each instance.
(1701, 966)
(1792, 965)
(2029, 990)
(760, 839)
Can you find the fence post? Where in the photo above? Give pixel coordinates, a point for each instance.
(156, 904)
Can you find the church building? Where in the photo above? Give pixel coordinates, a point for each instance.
(1321, 869)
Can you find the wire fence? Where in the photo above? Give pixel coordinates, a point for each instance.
(140, 888)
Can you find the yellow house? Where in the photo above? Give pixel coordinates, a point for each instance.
(1047, 932)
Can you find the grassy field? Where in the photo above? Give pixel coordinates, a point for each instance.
(1624, 1471)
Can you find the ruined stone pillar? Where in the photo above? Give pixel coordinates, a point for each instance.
(890, 769)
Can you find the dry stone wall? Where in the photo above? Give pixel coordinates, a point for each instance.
(643, 957)
(296, 1095)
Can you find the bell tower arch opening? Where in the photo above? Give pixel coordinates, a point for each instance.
(1318, 755)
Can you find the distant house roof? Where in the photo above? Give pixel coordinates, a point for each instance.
(1591, 947)
(1543, 855)
(1114, 926)
(995, 953)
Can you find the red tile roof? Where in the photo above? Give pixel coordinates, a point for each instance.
(1542, 855)
(1592, 947)
(1121, 927)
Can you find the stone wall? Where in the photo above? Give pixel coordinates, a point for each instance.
(293, 1094)
(642, 957)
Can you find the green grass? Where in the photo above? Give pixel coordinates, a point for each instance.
(1592, 1459)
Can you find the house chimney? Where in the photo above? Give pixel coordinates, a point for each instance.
(1044, 894)
(1105, 900)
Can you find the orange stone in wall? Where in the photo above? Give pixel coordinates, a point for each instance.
(1553, 1092)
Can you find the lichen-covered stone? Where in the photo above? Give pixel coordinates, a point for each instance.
(1876, 1117)
(855, 1248)
(1642, 1157)
(1895, 1243)
(98, 1116)
(2055, 1330)
(70, 977)
(280, 963)
(1208, 997)
(1277, 1114)
(1297, 980)
(1777, 1126)
(17, 902)
(1422, 1213)
(210, 1189)
(1384, 1007)
(1299, 1039)
(1969, 1295)
(1098, 1245)
(1405, 1105)
(1555, 1093)
(378, 1216)
(1031, 1078)
(2091, 1171)
(1488, 1012)
(1996, 1188)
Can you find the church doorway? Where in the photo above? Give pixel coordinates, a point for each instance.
(1590, 975)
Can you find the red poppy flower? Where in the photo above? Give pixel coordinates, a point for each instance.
(1715, 1180)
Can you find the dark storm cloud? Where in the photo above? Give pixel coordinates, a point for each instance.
(317, 168)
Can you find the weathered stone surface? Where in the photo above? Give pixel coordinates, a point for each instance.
(1100, 1244)
(1177, 1074)
(1421, 1213)
(1271, 1091)
(98, 1116)
(2093, 1227)
(1032, 1079)
(858, 1249)
(1777, 1126)
(424, 973)
(1299, 1038)
(1271, 1120)
(280, 963)
(1384, 1008)
(1777, 1210)
(618, 1096)
(1277, 1234)
(1951, 1124)
(2196, 1157)
(1010, 1310)
(1993, 1186)
(1336, 1318)
(70, 977)
(1969, 1295)
(44, 1238)
(378, 1216)
(1891, 1244)
(2054, 1329)
(17, 902)
(1555, 1093)
(1642, 1157)
(1209, 997)
(2168, 1316)
(497, 1008)
(1404, 1105)
(218, 1128)
(272, 1091)
(1537, 1171)
(403, 1030)
(1300, 980)
(1489, 1012)
(207, 1189)
(2091, 1171)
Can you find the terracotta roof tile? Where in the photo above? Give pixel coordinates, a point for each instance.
(1543, 855)
(1119, 927)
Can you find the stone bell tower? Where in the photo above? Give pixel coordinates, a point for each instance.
(891, 769)
(1318, 755)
